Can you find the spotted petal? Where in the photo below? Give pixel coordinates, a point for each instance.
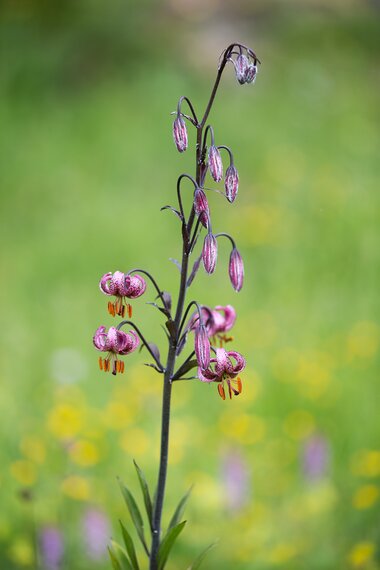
(132, 341)
(99, 339)
(104, 283)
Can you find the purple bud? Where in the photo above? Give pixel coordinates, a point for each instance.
(251, 72)
(236, 269)
(202, 347)
(241, 66)
(201, 206)
(215, 163)
(180, 134)
(209, 253)
(231, 183)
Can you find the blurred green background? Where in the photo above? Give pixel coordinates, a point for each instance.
(286, 475)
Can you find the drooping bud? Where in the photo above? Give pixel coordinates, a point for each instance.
(241, 66)
(180, 134)
(231, 183)
(251, 72)
(215, 163)
(201, 206)
(202, 346)
(209, 252)
(236, 269)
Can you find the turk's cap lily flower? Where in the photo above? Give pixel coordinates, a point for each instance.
(180, 134)
(201, 206)
(217, 321)
(215, 163)
(224, 368)
(202, 346)
(121, 286)
(209, 252)
(115, 342)
(231, 183)
(236, 269)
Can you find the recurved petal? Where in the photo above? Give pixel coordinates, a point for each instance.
(99, 338)
(132, 341)
(117, 283)
(134, 286)
(239, 359)
(223, 363)
(104, 283)
(207, 375)
(229, 316)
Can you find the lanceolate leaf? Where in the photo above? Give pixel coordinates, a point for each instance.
(122, 556)
(146, 494)
(198, 561)
(167, 544)
(135, 514)
(179, 511)
(130, 547)
(114, 561)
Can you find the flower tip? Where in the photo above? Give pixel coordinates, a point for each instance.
(180, 134)
(236, 270)
(210, 253)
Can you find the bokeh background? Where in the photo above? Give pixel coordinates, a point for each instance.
(286, 475)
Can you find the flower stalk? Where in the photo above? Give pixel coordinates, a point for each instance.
(209, 326)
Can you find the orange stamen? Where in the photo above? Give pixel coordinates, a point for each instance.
(239, 385)
(129, 309)
(121, 366)
(229, 390)
(221, 391)
(100, 363)
(123, 311)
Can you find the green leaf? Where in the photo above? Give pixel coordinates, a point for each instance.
(130, 547)
(167, 543)
(123, 556)
(179, 510)
(198, 561)
(146, 494)
(115, 563)
(135, 514)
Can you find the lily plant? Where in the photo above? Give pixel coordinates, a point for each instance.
(205, 329)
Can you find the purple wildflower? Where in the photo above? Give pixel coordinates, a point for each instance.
(116, 343)
(222, 369)
(217, 321)
(236, 480)
(210, 252)
(180, 134)
(231, 183)
(202, 346)
(201, 206)
(96, 531)
(51, 548)
(215, 163)
(236, 269)
(121, 285)
(315, 457)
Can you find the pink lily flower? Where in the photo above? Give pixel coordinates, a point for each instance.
(217, 321)
(116, 343)
(120, 286)
(224, 368)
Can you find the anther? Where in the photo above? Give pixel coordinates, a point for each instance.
(221, 391)
(129, 309)
(100, 363)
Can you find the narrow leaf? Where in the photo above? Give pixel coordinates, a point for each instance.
(167, 544)
(176, 212)
(167, 299)
(146, 494)
(114, 561)
(179, 510)
(176, 262)
(194, 271)
(130, 547)
(198, 561)
(186, 366)
(123, 559)
(135, 514)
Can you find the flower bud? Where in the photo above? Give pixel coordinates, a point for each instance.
(236, 270)
(231, 183)
(241, 66)
(251, 72)
(180, 134)
(209, 253)
(202, 346)
(215, 163)
(201, 206)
